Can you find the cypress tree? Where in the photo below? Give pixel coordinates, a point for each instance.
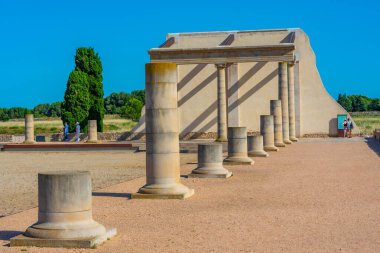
(84, 93)
(87, 61)
(76, 103)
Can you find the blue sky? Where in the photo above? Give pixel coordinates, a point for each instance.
(39, 38)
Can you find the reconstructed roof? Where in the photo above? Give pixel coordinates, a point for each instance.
(228, 46)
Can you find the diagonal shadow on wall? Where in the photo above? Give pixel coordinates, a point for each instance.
(195, 71)
(206, 127)
(251, 72)
(199, 87)
(254, 89)
(196, 122)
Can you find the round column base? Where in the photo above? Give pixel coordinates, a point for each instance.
(221, 139)
(293, 139)
(93, 141)
(280, 144)
(287, 142)
(258, 154)
(29, 142)
(238, 161)
(212, 171)
(66, 230)
(271, 148)
(163, 191)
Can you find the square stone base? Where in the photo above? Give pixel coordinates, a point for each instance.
(162, 196)
(22, 240)
(229, 174)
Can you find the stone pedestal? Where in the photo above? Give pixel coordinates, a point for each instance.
(237, 147)
(162, 137)
(210, 162)
(283, 96)
(222, 107)
(29, 129)
(292, 111)
(275, 110)
(267, 131)
(92, 131)
(64, 213)
(256, 146)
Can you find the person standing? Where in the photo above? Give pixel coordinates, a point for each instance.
(350, 126)
(345, 127)
(77, 131)
(66, 132)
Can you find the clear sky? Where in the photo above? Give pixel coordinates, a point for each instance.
(38, 39)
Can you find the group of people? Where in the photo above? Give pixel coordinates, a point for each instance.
(347, 128)
(66, 132)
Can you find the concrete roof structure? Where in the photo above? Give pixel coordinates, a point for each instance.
(227, 47)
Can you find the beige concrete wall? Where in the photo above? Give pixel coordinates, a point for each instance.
(257, 84)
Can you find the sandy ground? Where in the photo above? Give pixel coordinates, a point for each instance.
(308, 197)
(18, 172)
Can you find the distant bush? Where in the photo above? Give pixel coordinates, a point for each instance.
(128, 105)
(358, 103)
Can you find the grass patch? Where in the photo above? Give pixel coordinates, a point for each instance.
(55, 126)
(367, 123)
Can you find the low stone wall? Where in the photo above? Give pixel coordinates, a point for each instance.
(111, 136)
(5, 138)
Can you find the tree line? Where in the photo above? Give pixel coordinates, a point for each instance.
(127, 105)
(358, 103)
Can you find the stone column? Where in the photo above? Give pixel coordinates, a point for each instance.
(292, 111)
(275, 110)
(267, 131)
(210, 162)
(237, 147)
(64, 213)
(283, 96)
(29, 129)
(222, 107)
(92, 131)
(256, 146)
(162, 137)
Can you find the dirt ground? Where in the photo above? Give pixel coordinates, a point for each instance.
(18, 172)
(319, 196)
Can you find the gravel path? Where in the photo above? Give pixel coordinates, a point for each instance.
(307, 197)
(18, 172)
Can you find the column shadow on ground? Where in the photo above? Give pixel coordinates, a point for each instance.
(112, 194)
(6, 235)
(373, 144)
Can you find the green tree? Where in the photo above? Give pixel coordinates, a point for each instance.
(132, 109)
(374, 105)
(76, 104)
(88, 62)
(345, 102)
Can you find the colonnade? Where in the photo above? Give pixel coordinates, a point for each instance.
(162, 129)
(286, 95)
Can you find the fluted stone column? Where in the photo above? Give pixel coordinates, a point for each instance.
(64, 213)
(29, 129)
(237, 147)
(283, 96)
(210, 162)
(222, 106)
(162, 135)
(292, 111)
(92, 131)
(267, 131)
(256, 146)
(275, 110)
